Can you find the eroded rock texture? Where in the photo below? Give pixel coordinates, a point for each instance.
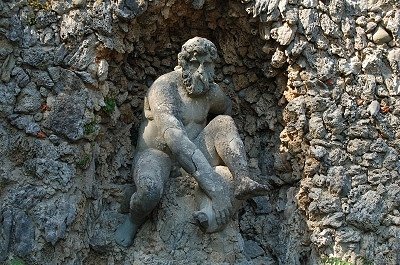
(315, 86)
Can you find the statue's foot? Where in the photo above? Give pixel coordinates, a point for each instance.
(201, 219)
(247, 188)
(125, 233)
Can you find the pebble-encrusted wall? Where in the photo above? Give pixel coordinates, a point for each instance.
(315, 86)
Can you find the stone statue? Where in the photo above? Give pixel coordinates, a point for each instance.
(176, 129)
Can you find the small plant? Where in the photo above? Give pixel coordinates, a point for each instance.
(16, 261)
(84, 161)
(39, 4)
(90, 127)
(335, 261)
(110, 105)
(32, 19)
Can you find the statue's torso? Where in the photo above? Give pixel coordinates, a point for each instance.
(191, 111)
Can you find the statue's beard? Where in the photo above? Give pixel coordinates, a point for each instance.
(196, 84)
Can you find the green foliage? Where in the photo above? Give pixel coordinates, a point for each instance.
(110, 105)
(16, 261)
(39, 4)
(31, 19)
(90, 127)
(335, 261)
(84, 161)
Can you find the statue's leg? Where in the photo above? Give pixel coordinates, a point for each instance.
(151, 170)
(220, 142)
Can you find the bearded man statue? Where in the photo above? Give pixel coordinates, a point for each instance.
(176, 130)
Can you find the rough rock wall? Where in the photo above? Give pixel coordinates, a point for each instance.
(315, 88)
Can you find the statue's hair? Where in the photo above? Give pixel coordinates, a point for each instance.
(196, 44)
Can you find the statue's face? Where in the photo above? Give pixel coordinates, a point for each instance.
(198, 74)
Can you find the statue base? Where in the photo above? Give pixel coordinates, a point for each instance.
(172, 235)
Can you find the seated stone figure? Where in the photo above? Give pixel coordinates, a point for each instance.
(176, 130)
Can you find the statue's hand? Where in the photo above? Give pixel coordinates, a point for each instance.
(222, 206)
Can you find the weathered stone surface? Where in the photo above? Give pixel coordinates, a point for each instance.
(28, 100)
(21, 76)
(37, 56)
(314, 86)
(7, 98)
(67, 115)
(367, 212)
(65, 80)
(381, 36)
(54, 217)
(42, 78)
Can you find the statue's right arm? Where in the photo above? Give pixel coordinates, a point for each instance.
(164, 107)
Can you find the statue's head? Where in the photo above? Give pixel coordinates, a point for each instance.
(197, 59)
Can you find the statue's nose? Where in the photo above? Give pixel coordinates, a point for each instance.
(201, 70)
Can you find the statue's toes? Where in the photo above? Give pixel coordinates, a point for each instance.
(125, 233)
(201, 218)
(249, 188)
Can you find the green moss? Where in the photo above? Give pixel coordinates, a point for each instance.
(16, 261)
(110, 105)
(84, 161)
(32, 19)
(90, 127)
(39, 4)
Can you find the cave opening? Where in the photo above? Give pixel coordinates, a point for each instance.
(243, 71)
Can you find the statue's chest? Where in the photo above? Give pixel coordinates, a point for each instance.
(194, 110)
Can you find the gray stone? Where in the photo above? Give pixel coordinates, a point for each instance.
(75, 25)
(7, 98)
(28, 100)
(25, 123)
(24, 234)
(45, 18)
(5, 48)
(55, 216)
(67, 115)
(5, 233)
(348, 235)
(15, 34)
(59, 54)
(101, 18)
(381, 36)
(128, 9)
(310, 22)
(54, 173)
(84, 55)
(7, 67)
(367, 212)
(333, 119)
(41, 78)
(252, 249)
(87, 78)
(65, 80)
(374, 108)
(102, 72)
(284, 34)
(339, 182)
(329, 27)
(38, 57)
(21, 77)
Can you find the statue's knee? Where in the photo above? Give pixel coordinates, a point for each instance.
(147, 197)
(224, 121)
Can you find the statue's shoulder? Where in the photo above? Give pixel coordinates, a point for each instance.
(168, 79)
(165, 86)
